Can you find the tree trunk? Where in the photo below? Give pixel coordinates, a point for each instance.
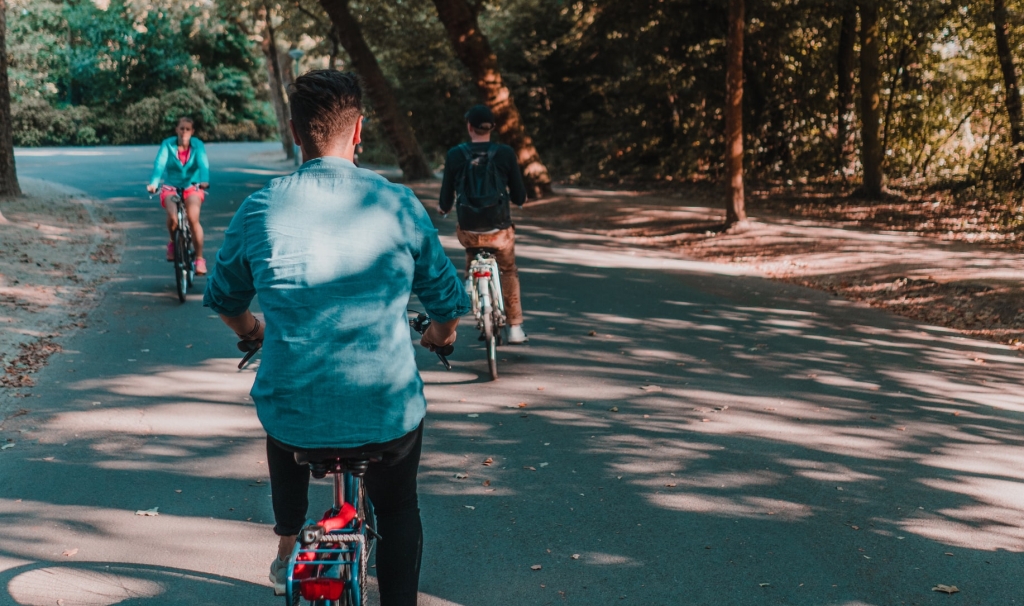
(735, 210)
(871, 152)
(8, 175)
(474, 51)
(396, 125)
(1013, 102)
(844, 96)
(269, 46)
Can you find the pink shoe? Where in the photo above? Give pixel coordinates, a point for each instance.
(201, 266)
(170, 251)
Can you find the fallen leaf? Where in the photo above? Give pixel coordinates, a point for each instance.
(487, 483)
(461, 476)
(764, 584)
(946, 588)
(575, 556)
(592, 333)
(189, 346)
(60, 602)
(521, 405)
(540, 389)
(543, 464)
(535, 567)
(855, 527)
(6, 446)
(148, 512)
(473, 415)
(670, 485)
(530, 468)
(70, 552)
(47, 458)
(487, 462)
(178, 491)
(614, 409)
(979, 360)
(651, 388)
(901, 428)
(469, 507)
(948, 553)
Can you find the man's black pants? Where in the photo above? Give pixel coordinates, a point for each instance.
(391, 487)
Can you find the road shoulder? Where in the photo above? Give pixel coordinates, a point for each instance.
(59, 248)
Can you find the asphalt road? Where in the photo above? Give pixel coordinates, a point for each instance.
(675, 433)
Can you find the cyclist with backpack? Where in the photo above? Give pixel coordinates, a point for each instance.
(481, 179)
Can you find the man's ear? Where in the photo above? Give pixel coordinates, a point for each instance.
(295, 132)
(357, 133)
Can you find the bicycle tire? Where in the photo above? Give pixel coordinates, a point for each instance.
(180, 264)
(367, 515)
(492, 348)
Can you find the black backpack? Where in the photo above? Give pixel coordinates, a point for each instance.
(481, 194)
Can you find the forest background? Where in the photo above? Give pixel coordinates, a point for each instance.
(609, 91)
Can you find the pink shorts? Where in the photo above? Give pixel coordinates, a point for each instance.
(169, 190)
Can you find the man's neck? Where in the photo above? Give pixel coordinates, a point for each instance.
(480, 138)
(347, 153)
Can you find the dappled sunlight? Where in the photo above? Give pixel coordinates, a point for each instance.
(215, 380)
(115, 535)
(729, 507)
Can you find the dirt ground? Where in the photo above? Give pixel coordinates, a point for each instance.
(951, 264)
(56, 248)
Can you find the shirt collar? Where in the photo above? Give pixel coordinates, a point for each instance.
(327, 162)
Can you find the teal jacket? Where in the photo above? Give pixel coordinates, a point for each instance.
(196, 170)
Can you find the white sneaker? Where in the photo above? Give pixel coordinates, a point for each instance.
(516, 335)
(279, 575)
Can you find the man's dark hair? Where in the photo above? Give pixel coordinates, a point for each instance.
(185, 119)
(325, 105)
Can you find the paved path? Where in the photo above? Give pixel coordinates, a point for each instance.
(695, 436)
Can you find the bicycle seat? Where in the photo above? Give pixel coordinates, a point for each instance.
(323, 461)
(486, 252)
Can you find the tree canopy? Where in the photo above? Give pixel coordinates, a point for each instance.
(607, 90)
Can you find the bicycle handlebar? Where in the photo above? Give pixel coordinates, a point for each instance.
(420, 324)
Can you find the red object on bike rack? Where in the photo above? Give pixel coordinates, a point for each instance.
(332, 523)
(481, 274)
(321, 589)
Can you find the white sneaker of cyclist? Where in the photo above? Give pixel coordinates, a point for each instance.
(279, 575)
(517, 335)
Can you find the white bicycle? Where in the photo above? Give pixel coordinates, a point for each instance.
(484, 286)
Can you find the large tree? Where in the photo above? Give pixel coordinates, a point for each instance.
(268, 44)
(735, 210)
(845, 58)
(8, 175)
(474, 51)
(1013, 101)
(871, 152)
(397, 128)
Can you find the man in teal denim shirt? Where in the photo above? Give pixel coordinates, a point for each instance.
(334, 251)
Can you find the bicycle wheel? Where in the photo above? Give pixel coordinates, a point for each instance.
(191, 257)
(367, 515)
(492, 347)
(181, 262)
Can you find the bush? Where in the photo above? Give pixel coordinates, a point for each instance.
(37, 123)
(152, 120)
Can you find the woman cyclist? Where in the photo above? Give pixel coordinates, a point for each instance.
(183, 158)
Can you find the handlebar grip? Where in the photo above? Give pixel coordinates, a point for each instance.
(447, 350)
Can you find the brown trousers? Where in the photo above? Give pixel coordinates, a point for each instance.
(503, 243)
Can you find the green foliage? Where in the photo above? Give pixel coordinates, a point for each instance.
(35, 122)
(127, 72)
